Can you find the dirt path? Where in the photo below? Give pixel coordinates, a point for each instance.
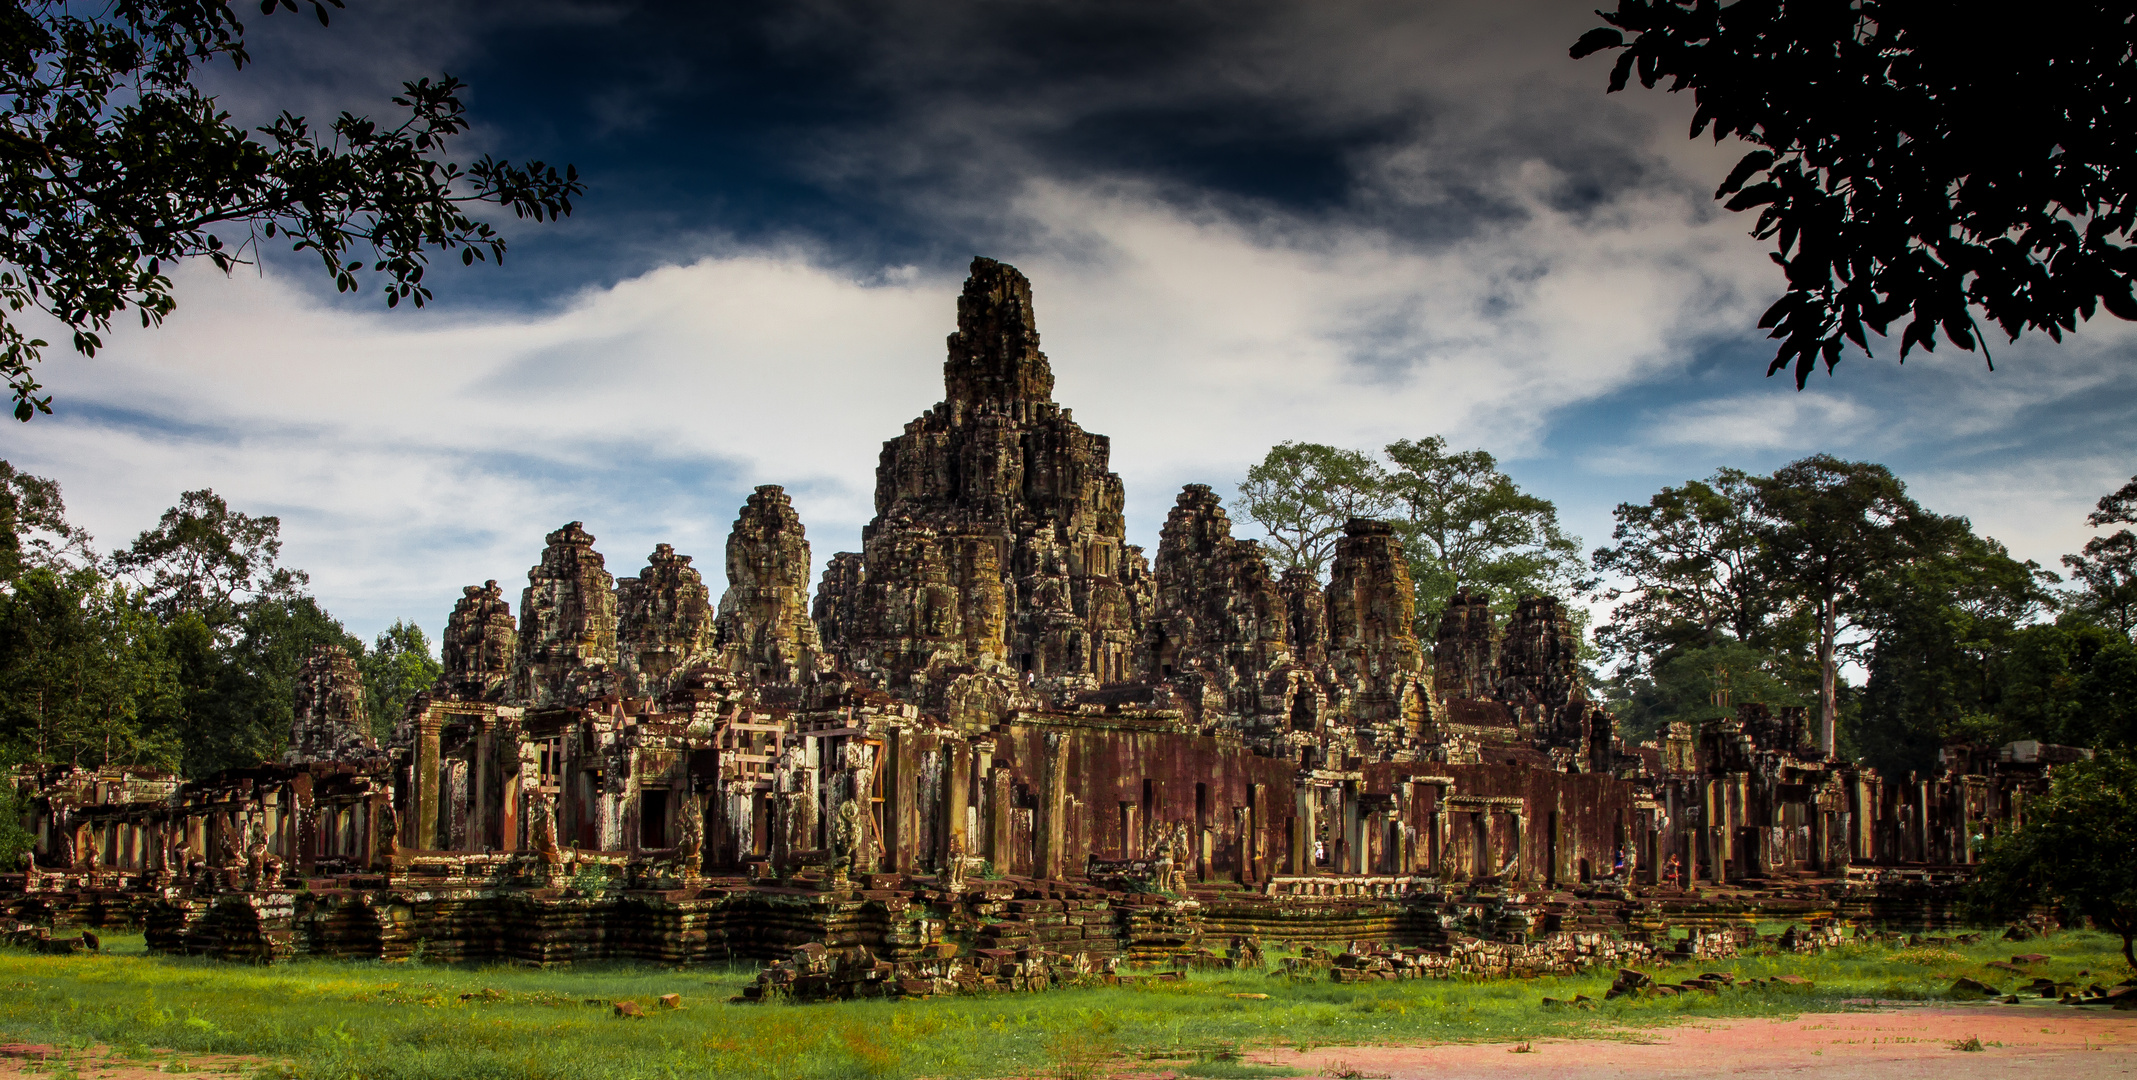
(32, 1059)
(2036, 1043)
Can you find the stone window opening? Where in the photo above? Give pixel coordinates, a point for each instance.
(653, 818)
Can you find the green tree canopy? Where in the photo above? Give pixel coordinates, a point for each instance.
(1680, 686)
(1302, 494)
(34, 530)
(1466, 523)
(115, 165)
(86, 676)
(1687, 573)
(193, 667)
(1911, 160)
(398, 667)
(2107, 568)
(241, 697)
(1826, 562)
(1462, 521)
(1940, 629)
(2072, 852)
(205, 559)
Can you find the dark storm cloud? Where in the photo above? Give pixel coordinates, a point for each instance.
(886, 132)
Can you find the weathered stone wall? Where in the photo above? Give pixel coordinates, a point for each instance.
(1465, 654)
(838, 596)
(480, 644)
(1539, 658)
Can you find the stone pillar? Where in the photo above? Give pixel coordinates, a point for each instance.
(1052, 826)
(480, 817)
(1516, 824)
(424, 774)
(959, 769)
(1309, 828)
(998, 848)
(306, 815)
(1921, 803)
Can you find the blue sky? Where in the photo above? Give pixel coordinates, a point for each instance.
(1245, 222)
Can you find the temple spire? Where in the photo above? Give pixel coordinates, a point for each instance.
(994, 355)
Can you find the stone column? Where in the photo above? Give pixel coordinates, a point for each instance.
(959, 769)
(423, 831)
(1516, 824)
(998, 849)
(481, 816)
(1353, 853)
(1309, 828)
(1052, 823)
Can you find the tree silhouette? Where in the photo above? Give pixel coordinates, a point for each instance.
(114, 166)
(1911, 159)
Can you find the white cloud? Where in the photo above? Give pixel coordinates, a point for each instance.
(410, 452)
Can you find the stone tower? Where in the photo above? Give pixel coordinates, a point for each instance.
(1539, 658)
(997, 542)
(479, 644)
(1465, 652)
(764, 627)
(663, 621)
(1219, 613)
(567, 623)
(330, 722)
(1372, 639)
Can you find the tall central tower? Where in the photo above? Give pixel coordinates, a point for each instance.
(997, 542)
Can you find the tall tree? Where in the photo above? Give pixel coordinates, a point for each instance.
(1829, 525)
(114, 165)
(1689, 572)
(1302, 494)
(1911, 159)
(1466, 523)
(2072, 682)
(398, 667)
(241, 696)
(1941, 624)
(34, 530)
(205, 559)
(2108, 564)
(85, 673)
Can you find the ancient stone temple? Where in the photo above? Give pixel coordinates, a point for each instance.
(998, 544)
(999, 747)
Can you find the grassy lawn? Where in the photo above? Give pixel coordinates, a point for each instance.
(354, 1019)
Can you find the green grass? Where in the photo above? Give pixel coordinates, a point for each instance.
(355, 1019)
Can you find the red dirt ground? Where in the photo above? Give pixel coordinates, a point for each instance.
(2019, 1043)
(2036, 1043)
